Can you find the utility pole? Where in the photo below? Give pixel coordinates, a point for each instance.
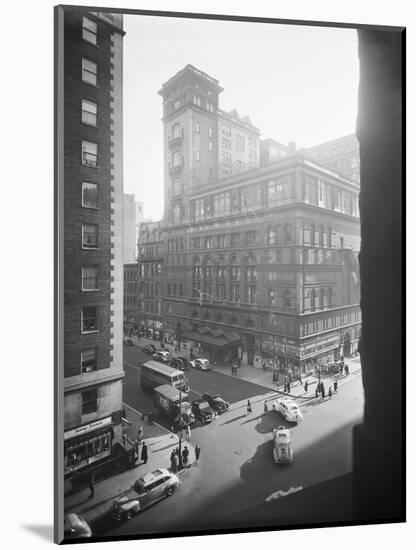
(180, 431)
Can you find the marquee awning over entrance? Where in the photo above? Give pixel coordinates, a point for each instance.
(214, 337)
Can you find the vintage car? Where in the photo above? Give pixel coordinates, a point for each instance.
(162, 356)
(216, 402)
(179, 363)
(149, 348)
(282, 447)
(147, 490)
(200, 364)
(202, 410)
(288, 409)
(75, 527)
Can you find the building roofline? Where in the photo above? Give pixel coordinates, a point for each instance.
(194, 71)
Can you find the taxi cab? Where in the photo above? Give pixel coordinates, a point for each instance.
(288, 409)
(282, 447)
(147, 490)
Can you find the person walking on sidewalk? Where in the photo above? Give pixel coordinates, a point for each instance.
(197, 452)
(144, 455)
(92, 486)
(336, 386)
(249, 410)
(185, 455)
(140, 434)
(330, 392)
(317, 390)
(306, 386)
(347, 370)
(322, 390)
(173, 461)
(265, 407)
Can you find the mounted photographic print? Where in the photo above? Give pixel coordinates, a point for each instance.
(228, 274)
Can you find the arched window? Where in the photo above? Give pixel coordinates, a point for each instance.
(221, 278)
(235, 269)
(196, 278)
(174, 289)
(181, 290)
(271, 298)
(208, 272)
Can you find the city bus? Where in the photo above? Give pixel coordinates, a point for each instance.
(155, 374)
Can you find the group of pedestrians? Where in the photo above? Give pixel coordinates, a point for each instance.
(176, 463)
(321, 391)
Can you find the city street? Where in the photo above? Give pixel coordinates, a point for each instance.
(236, 470)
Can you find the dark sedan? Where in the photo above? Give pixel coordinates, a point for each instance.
(149, 348)
(216, 402)
(202, 410)
(179, 363)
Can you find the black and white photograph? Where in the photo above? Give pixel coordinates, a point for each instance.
(228, 279)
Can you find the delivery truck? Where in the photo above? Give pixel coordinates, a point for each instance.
(173, 403)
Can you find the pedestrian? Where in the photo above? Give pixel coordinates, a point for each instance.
(264, 365)
(265, 407)
(306, 386)
(347, 370)
(92, 485)
(144, 453)
(288, 387)
(140, 434)
(341, 368)
(249, 410)
(330, 392)
(197, 452)
(185, 455)
(336, 386)
(323, 391)
(317, 391)
(239, 362)
(173, 461)
(188, 432)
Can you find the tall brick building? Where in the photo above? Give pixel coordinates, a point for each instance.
(92, 236)
(260, 261)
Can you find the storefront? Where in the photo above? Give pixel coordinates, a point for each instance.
(283, 352)
(88, 444)
(319, 351)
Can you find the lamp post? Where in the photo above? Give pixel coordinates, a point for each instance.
(180, 430)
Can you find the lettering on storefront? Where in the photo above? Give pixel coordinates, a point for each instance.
(87, 427)
(317, 346)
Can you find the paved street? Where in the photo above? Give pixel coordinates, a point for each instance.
(236, 470)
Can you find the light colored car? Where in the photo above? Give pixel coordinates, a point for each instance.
(288, 409)
(75, 527)
(282, 447)
(163, 356)
(200, 364)
(147, 490)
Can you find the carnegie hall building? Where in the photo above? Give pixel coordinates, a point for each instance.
(260, 246)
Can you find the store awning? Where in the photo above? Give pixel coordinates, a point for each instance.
(213, 337)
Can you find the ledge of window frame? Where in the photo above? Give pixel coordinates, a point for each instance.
(89, 248)
(89, 166)
(89, 332)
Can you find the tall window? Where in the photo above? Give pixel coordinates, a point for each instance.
(89, 153)
(271, 235)
(239, 142)
(89, 195)
(251, 277)
(210, 133)
(196, 155)
(89, 235)
(250, 238)
(89, 401)
(89, 30)
(176, 213)
(90, 277)
(250, 198)
(176, 131)
(199, 209)
(221, 241)
(197, 128)
(279, 191)
(226, 143)
(226, 130)
(271, 298)
(235, 240)
(176, 158)
(89, 71)
(89, 113)
(311, 190)
(221, 204)
(88, 360)
(89, 319)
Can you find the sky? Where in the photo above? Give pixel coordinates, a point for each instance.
(296, 83)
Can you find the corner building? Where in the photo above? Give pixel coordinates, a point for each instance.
(93, 251)
(261, 263)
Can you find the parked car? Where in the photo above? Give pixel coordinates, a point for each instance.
(185, 362)
(288, 409)
(282, 447)
(200, 364)
(216, 402)
(147, 490)
(202, 410)
(149, 348)
(127, 341)
(162, 356)
(178, 363)
(75, 527)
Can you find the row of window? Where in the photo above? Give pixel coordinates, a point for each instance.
(150, 251)
(331, 322)
(150, 270)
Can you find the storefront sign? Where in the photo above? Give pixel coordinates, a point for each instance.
(277, 345)
(87, 428)
(319, 346)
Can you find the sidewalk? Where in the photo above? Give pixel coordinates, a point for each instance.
(160, 444)
(264, 378)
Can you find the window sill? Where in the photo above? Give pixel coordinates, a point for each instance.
(89, 331)
(90, 83)
(90, 207)
(89, 165)
(88, 124)
(90, 289)
(89, 248)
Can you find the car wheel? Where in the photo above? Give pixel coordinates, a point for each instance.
(169, 491)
